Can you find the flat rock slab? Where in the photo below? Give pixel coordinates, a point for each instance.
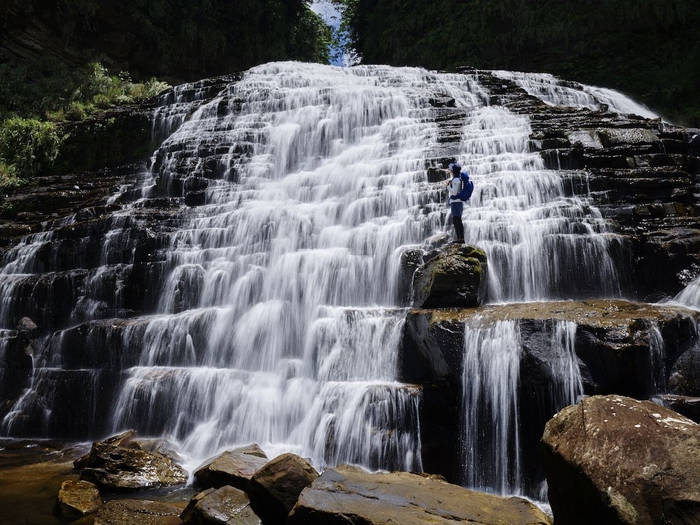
(600, 313)
(616, 460)
(77, 498)
(138, 512)
(346, 495)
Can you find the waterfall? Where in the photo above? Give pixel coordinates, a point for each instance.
(540, 242)
(490, 377)
(491, 383)
(690, 295)
(271, 311)
(558, 92)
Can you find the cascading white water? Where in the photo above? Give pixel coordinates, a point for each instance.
(279, 273)
(491, 448)
(657, 348)
(276, 300)
(540, 243)
(490, 379)
(690, 295)
(558, 92)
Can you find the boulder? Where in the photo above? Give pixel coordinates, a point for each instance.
(456, 276)
(120, 463)
(685, 405)
(616, 460)
(27, 326)
(77, 499)
(275, 488)
(621, 347)
(346, 494)
(138, 512)
(219, 507)
(233, 467)
(684, 379)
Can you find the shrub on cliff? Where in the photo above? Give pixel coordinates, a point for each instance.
(27, 146)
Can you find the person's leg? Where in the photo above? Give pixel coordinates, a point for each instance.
(456, 210)
(459, 228)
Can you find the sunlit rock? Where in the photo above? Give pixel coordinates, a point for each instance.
(120, 463)
(77, 498)
(232, 467)
(220, 506)
(138, 512)
(346, 495)
(616, 460)
(275, 488)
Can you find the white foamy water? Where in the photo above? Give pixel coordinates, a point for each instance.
(491, 382)
(558, 92)
(277, 316)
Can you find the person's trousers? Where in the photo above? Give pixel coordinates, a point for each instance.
(456, 209)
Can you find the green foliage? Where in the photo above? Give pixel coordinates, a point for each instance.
(311, 33)
(27, 146)
(646, 48)
(58, 94)
(192, 37)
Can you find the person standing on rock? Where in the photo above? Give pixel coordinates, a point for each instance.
(459, 194)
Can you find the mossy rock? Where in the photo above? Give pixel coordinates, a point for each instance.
(456, 277)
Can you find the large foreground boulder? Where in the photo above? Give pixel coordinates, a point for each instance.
(275, 488)
(226, 505)
(119, 463)
(232, 467)
(616, 460)
(346, 495)
(456, 276)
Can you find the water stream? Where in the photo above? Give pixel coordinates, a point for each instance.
(277, 313)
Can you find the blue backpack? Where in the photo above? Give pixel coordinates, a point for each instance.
(467, 187)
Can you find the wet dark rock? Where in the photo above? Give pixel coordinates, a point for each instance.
(275, 488)
(684, 405)
(195, 198)
(138, 512)
(77, 499)
(111, 139)
(616, 460)
(615, 344)
(222, 506)
(27, 326)
(438, 175)
(346, 495)
(641, 173)
(119, 463)
(410, 262)
(684, 379)
(455, 277)
(233, 467)
(16, 366)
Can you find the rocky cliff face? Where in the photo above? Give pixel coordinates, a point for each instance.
(92, 306)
